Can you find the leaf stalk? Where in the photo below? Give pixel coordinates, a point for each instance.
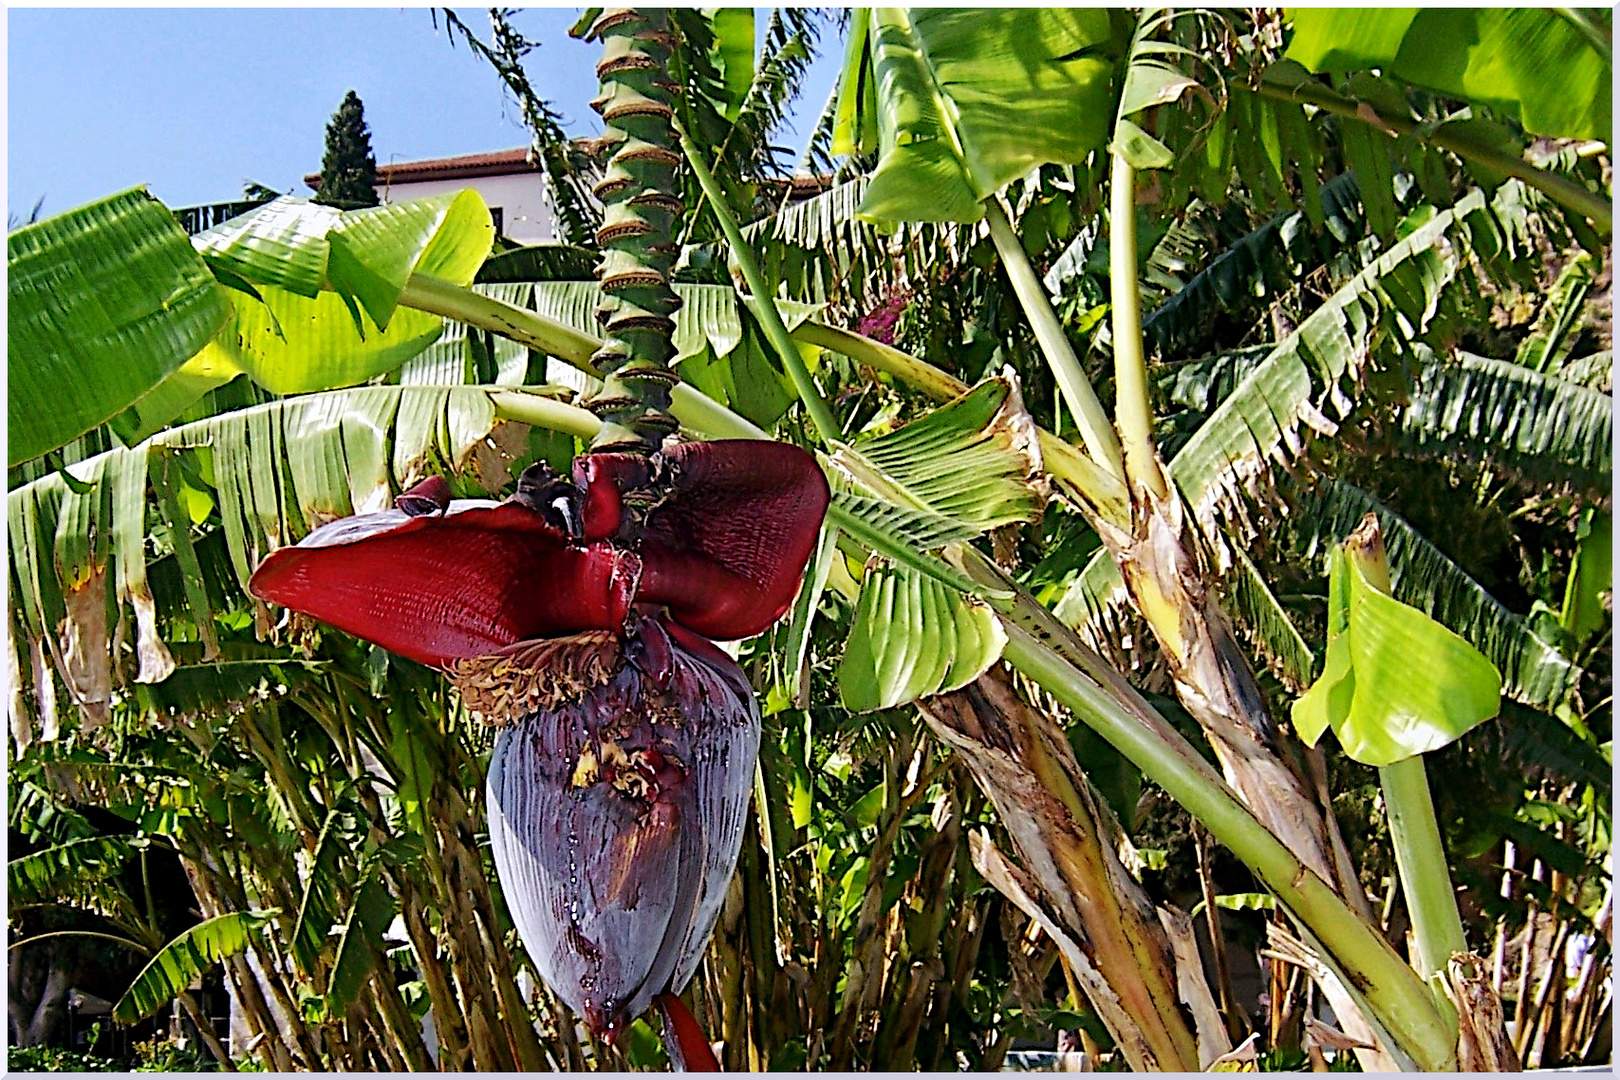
(760, 302)
(1096, 430)
(1133, 405)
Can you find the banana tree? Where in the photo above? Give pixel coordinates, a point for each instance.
(921, 623)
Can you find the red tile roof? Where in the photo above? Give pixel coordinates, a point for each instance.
(466, 166)
(517, 160)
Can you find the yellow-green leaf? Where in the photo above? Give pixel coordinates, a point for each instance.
(1395, 683)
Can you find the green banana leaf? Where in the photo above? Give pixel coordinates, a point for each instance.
(1396, 683)
(970, 460)
(183, 960)
(1591, 574)
(359, 944)
(273, 470)
(291, 344)
(1539, 426)
(1532, 64)
(43, 876)
(902, 534)
(318, 304)
(317, 907)
(958, 472)
(103, 302)
(962, 101)
(914, 637)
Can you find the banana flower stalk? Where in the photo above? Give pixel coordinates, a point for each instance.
(579, 617)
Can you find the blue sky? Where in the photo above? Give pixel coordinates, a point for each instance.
(193, 102)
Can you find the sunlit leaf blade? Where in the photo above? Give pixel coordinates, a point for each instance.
(914, 637)
(1533, 671)
(970, 460)
(42, 876)
(180, 389)
(1591, 575)
(375, 251)
(1302, 377)
(282, 243)
(962, 101)
(325, 286)
(1499, 57)
(1396, 683)
(103, 302)
(278, 467)
(185, 959)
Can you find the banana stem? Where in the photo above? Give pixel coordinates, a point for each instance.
(760, 302)
(1095, 428)
(437, 296)
(695, 411)
(1391, 989)
(1420, 856)
(1133, 408)
(703, 415)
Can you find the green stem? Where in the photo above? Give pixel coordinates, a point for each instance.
(937, 384)
(1392, 990)
(1420, 858)
(1133, 407)
(451, 301)
(760, 303)
(544, 412)
(1095, 428)
(1561, 190)
(448, 300)
(703, 415)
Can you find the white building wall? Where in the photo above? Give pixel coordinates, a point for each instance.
(526, 215)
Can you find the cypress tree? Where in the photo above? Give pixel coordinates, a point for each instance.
(348, 169)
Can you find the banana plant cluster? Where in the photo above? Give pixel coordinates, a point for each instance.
(578, 613)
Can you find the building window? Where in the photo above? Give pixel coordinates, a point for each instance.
(499, 220)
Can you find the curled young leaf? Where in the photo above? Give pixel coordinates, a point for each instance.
(1395, 682)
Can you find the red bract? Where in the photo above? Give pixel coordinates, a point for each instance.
(717, 533)
(576, 614)
(616, 813)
